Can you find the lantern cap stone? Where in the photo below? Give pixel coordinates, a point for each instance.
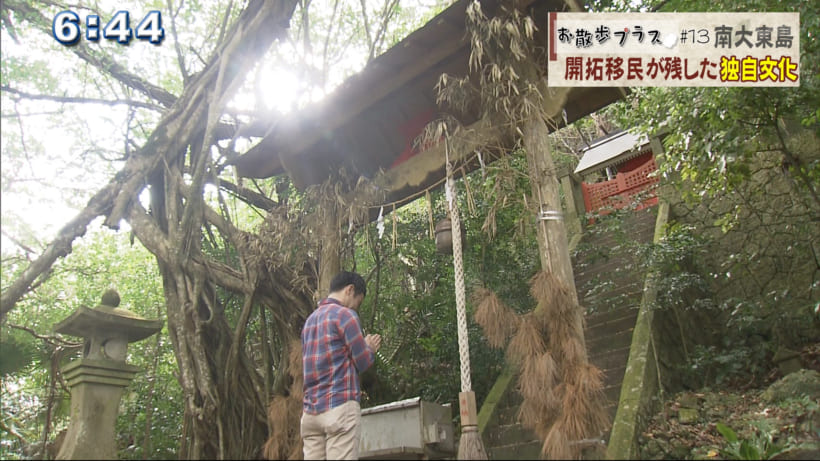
(108, 321)
(110, 298)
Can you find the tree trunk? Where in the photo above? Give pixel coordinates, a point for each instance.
(225, 409)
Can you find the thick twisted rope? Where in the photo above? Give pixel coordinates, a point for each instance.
(458, 264)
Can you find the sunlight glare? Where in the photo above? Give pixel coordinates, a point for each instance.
(279, 88)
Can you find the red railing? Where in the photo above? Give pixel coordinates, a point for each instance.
(625, 189)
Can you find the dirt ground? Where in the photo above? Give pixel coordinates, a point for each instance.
(783, 423)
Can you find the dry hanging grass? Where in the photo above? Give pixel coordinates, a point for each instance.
(282, 412)
(562, 393)
(590, 388)
(496, 319)
(561, 332)
(573, 355)
(588, 418)
(526, 342)
(560, 322)
(285, 413)
(532, 414)
(295, 368)
(552, 293)
(537, 377)
(590, 381)
(297, 452)
(551, 405)
(579, 422)
(573, 415)
(556, 445)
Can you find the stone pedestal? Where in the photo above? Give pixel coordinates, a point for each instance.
(96, 389)
(98, 379)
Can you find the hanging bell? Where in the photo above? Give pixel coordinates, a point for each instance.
(444, 237)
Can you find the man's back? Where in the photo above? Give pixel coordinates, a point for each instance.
(333, 349)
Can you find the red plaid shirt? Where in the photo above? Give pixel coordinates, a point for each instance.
(333, 349)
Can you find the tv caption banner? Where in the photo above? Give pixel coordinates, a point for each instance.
(673, 49)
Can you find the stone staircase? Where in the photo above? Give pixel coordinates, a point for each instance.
(607, 260)
(505, 438)
(610, 289)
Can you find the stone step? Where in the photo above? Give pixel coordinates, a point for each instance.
(608, 284)
(616, 321)
(611, 410)
(509, 434)
(614, 376)
(619, 300)
(612, 241)
(615, 269)
(592, 282)
(612, 394)
(508, 415)
(610, 359)
(614, 315)
(618, 340)
(598, 281)
(613, 296)
(587, 260)
(617, 273)
(531, 450)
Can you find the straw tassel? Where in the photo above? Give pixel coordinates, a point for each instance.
(394, 226)
(430, 213)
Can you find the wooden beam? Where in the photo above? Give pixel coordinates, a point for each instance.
(425, 168)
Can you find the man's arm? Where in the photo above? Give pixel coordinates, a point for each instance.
(361, 352)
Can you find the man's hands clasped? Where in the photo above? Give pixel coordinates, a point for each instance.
(374, 341)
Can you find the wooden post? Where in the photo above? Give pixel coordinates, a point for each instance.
(572, 220)
(552, 235)
(329, 248)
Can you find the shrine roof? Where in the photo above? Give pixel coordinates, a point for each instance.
(368, 122)
(610, 150)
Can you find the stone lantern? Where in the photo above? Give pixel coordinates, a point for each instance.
(98, 378)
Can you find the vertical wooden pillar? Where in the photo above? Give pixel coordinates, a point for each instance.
(572, 220)
(552, 235)
(329, 248)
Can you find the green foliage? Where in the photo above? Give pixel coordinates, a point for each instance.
(19, 351)
(99, 261)
(760, 445)
(34, 72)
(683, 284)
(411, 290)
(716, 133)
(725, 364)
(741, 166)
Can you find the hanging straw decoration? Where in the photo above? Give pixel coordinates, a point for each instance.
(394, 226)
(430, 213)
(470, 445)
(470, 199)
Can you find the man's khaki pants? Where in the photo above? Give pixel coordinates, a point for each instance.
(333, 434)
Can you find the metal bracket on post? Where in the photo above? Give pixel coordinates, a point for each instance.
(551, 216)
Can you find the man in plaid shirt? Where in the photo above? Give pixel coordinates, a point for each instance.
(334, 352)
